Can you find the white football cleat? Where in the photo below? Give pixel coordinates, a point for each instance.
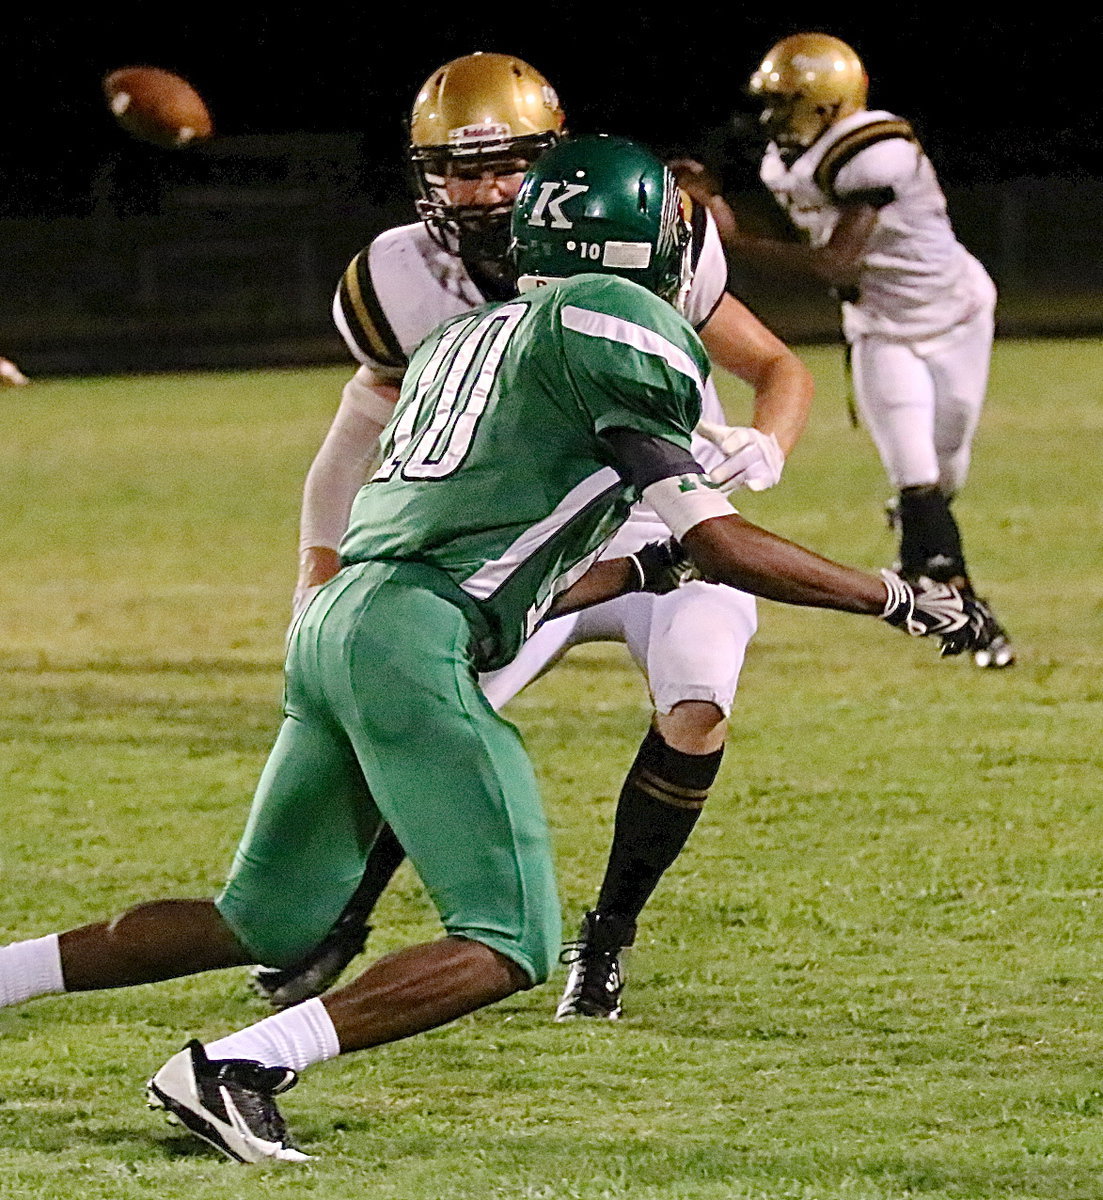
(228, 1103)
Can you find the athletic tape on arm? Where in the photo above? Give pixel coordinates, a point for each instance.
(684, 501)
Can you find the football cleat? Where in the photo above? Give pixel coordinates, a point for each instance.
(311, 976)
(228, 1103)
(997, 652)
(596, 978)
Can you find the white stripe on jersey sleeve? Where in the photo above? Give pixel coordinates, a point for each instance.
(639, 337)
(346, 333)
(493, 574)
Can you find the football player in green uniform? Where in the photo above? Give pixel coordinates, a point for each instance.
(524, 432)
(477, 124)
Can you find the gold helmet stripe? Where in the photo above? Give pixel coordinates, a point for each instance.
(851, 144)
(364, 315)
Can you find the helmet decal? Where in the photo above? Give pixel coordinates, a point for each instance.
(552, 205)
(474, 134)
(603, 204)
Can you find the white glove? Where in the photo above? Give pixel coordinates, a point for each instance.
(753, 459)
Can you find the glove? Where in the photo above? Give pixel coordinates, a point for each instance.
(959, 622)
(753, 459)
(662, 567)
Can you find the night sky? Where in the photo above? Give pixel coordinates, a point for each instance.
(992, 97)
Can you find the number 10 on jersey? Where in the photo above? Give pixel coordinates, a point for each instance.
(442, 405)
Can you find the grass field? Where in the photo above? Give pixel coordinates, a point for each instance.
(876, 972)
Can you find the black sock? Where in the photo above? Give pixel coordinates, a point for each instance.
(384, 858)
(659, 804)
(930, 541)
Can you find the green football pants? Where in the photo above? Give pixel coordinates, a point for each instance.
(384, 721)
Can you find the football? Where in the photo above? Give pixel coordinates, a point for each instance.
(158, 107)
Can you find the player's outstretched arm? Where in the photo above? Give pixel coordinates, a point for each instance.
(834, 263)
(727, 549)
(731, 550)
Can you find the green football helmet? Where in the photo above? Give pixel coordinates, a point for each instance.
(603, 204)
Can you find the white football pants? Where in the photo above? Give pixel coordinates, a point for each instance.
(921, 400)
(689, 643)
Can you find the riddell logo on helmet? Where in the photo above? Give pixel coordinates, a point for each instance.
(467, 134)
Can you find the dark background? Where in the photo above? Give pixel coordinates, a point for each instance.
(119, 256)
(993, 96)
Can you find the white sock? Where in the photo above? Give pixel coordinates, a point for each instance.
(297, 1037)
(31, 968)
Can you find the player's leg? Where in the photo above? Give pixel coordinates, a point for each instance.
(160, 939)
(453, 780)
(691, 643)
(959, 363)
(303, 850)
(896, 397)
(320, 968)
(296, 838)
(312, 976)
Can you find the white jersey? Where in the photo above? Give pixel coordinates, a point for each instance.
(916, 280)
(403, 285)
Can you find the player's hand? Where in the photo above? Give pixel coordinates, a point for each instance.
(662, 567)
(695, 178)
(317, 565)
(959, 622)
(753, 459)
(301, 599)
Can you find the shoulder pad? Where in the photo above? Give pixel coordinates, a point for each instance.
(853, 143)
(365, 322)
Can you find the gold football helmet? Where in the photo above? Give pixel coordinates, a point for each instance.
(807, 82)
(479, 117)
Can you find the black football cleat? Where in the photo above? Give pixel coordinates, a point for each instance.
(996, 652)
(227, 1102)
(311, 976)
(596, 978)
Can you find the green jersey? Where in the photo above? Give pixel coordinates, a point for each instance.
(493, 468)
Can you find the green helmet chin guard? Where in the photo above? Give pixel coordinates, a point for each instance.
(603, 204)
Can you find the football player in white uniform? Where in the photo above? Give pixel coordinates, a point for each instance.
(477, 124)
(917, 307)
